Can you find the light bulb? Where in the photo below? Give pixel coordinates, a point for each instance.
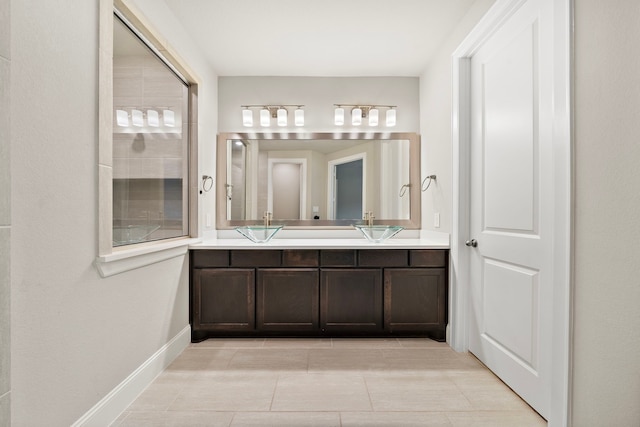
(356, 116)
(153, 118)
(122, 118)
(338, 117)
(299, 117)
(137, 118)
(282, 117)
(373, 117)
(265, 118)
(247, 117)
(391, 118)
(169, 118)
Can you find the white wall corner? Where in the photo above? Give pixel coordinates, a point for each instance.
(107, 410)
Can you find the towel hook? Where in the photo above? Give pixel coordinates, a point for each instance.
(207, 183)
(403, 189)
(431, 178)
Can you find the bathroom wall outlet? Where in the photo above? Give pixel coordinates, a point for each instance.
(208, 220)
(436, 220)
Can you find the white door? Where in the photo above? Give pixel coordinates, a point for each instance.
(511, 204)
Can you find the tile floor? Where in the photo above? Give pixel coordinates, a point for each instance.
(327, 382)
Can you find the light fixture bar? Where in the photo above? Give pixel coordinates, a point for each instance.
(276, 111)
(364, 111)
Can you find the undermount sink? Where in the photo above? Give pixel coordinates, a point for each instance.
(259, 233)
(379, 233)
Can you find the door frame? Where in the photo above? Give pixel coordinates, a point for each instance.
(562, 10)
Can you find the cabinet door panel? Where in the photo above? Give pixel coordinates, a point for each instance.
(415, 299)
(351, 300)
(287, 299)
(224, 299)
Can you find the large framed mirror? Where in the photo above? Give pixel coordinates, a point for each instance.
(318, 179)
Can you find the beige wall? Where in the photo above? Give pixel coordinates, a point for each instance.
(76, 336)
(5, 216)
(606, 348)
(435, 123)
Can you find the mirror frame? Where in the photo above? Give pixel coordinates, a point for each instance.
(222, 223)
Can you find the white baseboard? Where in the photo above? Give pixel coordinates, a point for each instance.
(107, 410)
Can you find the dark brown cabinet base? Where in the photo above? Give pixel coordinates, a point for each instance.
(345, 292)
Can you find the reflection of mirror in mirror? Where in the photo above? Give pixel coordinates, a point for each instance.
(317, 179)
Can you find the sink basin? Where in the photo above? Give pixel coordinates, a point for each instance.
(259, 233)
(379, 233)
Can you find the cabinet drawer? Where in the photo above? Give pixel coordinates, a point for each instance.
(210, 258)
(299, 258)
(251, 258)
(338, 258)
(428, 258)
(383, 258)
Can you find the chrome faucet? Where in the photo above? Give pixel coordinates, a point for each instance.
(368, 217)
(267, 217)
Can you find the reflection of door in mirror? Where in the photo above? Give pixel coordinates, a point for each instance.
(348, 191)
(285, 198)
(347, 187)
(286, 190)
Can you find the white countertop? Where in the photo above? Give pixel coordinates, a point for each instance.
(422, 243)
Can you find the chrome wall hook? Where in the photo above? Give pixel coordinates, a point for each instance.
(431, 178)
(403, 189)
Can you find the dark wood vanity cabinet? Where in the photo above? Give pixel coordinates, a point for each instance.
(415, 299)
(328, 292)
(287, 299)
(351, 300)
(223, 299)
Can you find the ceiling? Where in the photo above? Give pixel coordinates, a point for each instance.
(319, 37)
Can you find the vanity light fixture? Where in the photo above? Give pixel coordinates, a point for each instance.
(137, 118)
(122, 118)
(373, 117)
(169, 118)
(391, 118)
(153, 119)
(356, 116)
(265, 118)
(338, 117)
(268, 112)
(360, 112)
(247, 117)
(298, 117)
(282, 116)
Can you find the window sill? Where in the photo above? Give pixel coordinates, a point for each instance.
(141, 256)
